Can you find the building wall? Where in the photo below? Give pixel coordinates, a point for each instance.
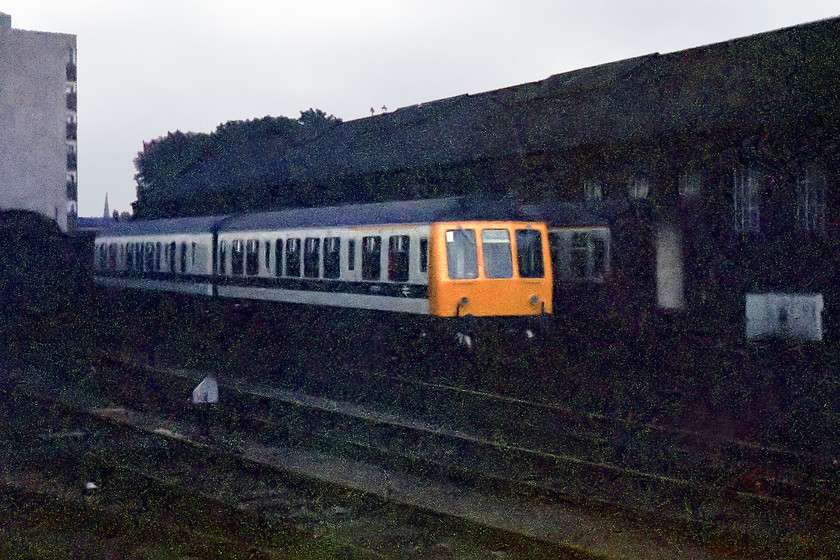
(37, 101)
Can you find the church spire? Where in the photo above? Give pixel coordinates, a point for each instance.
(107, 213)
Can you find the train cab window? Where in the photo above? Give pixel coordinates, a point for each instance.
(424, 254)
(237, 257)
(252, 257)
(498, 262)
(332, 257)
(312, 257)
(371, 258)
(223, 251)
(529, 253)
(461, 257)
(278, 257)
(351, 254)
(398, 258)
(293, 257)
(183, 259)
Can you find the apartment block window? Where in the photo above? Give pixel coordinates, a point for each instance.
(746, 199)
(810, 199)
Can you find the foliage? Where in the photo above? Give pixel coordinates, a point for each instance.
(199, 173)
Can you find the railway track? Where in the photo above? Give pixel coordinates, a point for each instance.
(692, 496)
(212, 486)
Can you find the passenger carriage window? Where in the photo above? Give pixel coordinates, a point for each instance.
(293, 257)
(268, 255)
(371, 258)
(149, 257)
(223, 250)
(424, 254)
(237, 257)
(398, 258)
(100, 257)
(351, 254)
(529, 253)
(252, 257)
(172, 256)
(129, 256)
(332, 257)
(112, 256)
(193, 256)
(183, 260)
(158, 255)
(278, 257)
(312, 257)
(461, 257)
(498, 262)
(579, 255)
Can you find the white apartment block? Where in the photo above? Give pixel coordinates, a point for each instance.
(38, 148)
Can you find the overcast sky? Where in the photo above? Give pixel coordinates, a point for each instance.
(153, 66)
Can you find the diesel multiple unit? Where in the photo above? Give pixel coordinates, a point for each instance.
(444, 258)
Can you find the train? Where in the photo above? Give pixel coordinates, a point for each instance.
(445, 258)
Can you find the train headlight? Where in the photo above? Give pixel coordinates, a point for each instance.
(465, 300)
(534, 300)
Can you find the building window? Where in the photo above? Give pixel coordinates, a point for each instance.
(592, 189)
(746, 198)
(810, 199)
(690, 183)
(638, 187)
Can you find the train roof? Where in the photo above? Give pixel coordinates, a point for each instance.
(385, 213)
(193, 224)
